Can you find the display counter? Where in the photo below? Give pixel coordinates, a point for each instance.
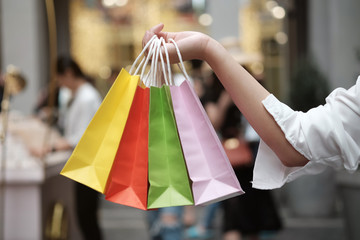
(38, 202)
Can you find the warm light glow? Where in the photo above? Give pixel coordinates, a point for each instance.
(257, 68)
(109, 3)
(278, 12)
(231, 143)
(105, 72)
(281, 38)
(205, 19)
(270, 5)
(121, 3)
(114, 3)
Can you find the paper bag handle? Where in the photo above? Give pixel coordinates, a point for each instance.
(166, 72)
(154, 45)
(149, 43)
(158, 67)
(182, 68)
(151, 54)
(153, 67)
(170, 82)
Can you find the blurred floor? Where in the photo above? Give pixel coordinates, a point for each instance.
(121, 222)
(125, 223)
(312, 229)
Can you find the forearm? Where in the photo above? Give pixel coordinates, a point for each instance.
(248, 94)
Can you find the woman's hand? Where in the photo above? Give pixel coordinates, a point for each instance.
(192, 45)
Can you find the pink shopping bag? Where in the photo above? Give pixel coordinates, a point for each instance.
(213, 178)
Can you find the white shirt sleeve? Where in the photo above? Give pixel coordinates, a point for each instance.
(328, 135)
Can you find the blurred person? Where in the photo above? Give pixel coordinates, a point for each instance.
(204, 228)
(80, 105)
(225, 119)
(166, 223)
(254, 213)
(55, 116)
(42, 109)
(249, 214)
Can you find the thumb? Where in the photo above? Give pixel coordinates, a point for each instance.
(157, 28)
(151, 32)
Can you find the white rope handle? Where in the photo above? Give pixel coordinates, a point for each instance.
(139, 56)
(156, 64)
(150, 55)
(165, 72)
(154, 75)
(163, 67)
(167, 61)
(182, 68)
(149, 78)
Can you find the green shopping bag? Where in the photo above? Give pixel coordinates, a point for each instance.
(168, 177)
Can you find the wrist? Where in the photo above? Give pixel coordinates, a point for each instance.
(214, 53)
(206, 48)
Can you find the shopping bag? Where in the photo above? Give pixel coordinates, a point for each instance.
(213, 178)
(168, 178)
(93, 156)
(128, 180)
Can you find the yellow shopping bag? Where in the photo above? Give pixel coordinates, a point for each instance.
(92, 158)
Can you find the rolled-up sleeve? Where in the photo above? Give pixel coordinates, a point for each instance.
(328, 135)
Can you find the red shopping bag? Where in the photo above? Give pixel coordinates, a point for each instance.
(128, 180)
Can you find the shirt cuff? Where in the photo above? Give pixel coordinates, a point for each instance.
(269, 172)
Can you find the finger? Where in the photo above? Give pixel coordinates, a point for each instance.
(167, 35)
(151, 32)
(157, 29)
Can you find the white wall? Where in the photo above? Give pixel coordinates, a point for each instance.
(335, 39)
(24, 45)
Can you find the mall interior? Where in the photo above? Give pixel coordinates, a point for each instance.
(300, 50)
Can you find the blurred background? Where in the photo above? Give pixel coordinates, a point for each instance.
(300, 50)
